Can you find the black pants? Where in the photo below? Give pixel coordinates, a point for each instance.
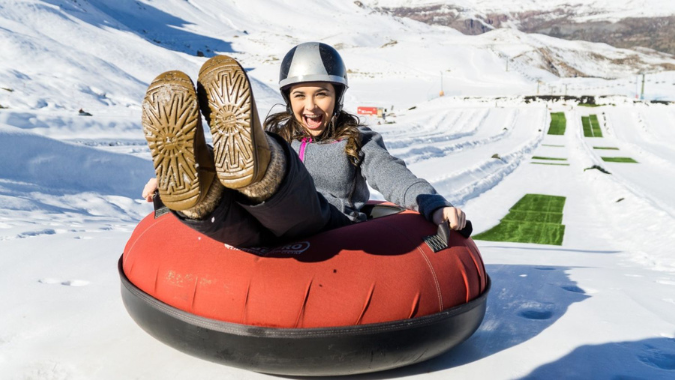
(296, 210)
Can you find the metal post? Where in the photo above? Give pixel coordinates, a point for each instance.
(642, 94)
(442, 93)
(441, 81)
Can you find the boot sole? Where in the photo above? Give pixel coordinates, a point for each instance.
(226, 100)
(170, 121)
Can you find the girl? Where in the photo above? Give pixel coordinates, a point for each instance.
(309, 173)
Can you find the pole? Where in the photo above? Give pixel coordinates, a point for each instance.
(642, 94)
(441, 81)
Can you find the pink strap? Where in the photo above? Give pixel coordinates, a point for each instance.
(302, 148)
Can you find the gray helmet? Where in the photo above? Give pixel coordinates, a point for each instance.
(313, 62)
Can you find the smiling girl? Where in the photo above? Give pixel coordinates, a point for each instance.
(309, 173)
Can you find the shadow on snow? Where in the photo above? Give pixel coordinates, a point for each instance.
(33, 163)
(524, 301)
(147, 22)
(644, 359)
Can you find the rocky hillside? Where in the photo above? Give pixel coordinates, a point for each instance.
(627, 29)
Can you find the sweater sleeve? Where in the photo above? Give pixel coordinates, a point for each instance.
(390, 176)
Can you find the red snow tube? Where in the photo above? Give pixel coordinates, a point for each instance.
(362, 298)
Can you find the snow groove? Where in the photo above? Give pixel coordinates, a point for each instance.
(658, 204)
(490, 172)
(427, 138)
(426, 126)
(420, 154)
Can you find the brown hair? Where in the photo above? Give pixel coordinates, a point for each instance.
(345, 126)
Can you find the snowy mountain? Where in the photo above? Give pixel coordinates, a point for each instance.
(601, 10)
(624, 23)
(102, 54)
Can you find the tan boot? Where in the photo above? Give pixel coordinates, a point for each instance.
(173, 128)
(240, 148)
(269, 184)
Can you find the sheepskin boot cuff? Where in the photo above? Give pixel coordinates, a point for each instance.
(206, 205)
(260, 191)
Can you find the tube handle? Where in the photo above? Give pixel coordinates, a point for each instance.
(441, 240)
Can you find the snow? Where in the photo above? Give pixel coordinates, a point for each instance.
(600, 306)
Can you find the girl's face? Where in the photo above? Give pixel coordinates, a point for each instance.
(313, 104)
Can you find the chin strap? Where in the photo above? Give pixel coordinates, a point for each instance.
(339, 101)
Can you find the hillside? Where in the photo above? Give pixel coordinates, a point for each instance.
(624, 24)
(129, 42)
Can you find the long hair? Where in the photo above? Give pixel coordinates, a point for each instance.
(343, 127)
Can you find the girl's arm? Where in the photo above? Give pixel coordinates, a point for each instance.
(390, 176)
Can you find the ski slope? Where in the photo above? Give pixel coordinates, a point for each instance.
(604, 296)
(600, 306)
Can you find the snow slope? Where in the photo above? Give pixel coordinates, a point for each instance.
(600, 306)
(60, 56)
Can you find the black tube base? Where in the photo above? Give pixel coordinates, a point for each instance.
(329, 351)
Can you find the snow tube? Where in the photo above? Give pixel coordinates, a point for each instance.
(372, 296)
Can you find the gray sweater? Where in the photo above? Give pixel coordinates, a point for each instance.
(344, 185)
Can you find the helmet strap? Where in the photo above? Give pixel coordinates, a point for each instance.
(340, 92)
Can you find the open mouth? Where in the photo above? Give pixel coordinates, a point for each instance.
(313, 121)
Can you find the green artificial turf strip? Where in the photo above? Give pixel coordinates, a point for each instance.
(555, 146)
(589, 105)
(535, 218)
(595, 126)
(548, 158)
(619, 159)
(558, 124)
(549, 163)
(540, 203)
(525, 232)
(605, 147)
(587, 126)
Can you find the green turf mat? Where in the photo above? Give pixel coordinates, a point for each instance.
(589, 105)
(535, 218)
(591, 126)
(586, 124)
(525, 232)
(619, 159)
(548, 158)
(540, 203)
(555, 146)
(558, 124)
(605, 147)
(549, 163)
(595, 126)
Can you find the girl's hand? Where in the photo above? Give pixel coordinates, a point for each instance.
(149, 189)
(454, 215)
